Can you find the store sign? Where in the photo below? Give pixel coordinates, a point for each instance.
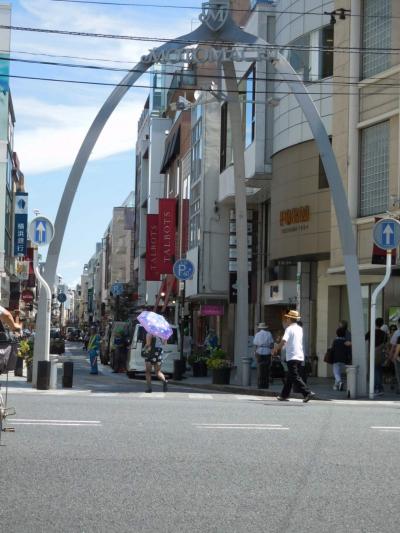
(211, 310)
(22, 270)
(152, 244)
(297, 215)
(167, 235)
(21, 224)
(27, 296)
(232, 267)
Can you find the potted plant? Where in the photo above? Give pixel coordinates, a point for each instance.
(26, 353)
(220, 366)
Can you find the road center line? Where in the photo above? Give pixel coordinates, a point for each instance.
(385, 427)
(58, 421)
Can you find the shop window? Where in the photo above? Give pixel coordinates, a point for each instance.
(377, 35)
(374, 169)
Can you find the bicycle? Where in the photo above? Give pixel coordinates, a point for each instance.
(8, 355)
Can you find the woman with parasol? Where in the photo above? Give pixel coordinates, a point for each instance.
(158, 330)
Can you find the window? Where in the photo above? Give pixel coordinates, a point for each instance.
(376, 34)
(322, 179)
(197, 148)
(226, 155)
(194, 229)
(374, 169)
(249, 109)
(311, 55)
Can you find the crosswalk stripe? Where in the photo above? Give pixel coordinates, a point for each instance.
(199, 396)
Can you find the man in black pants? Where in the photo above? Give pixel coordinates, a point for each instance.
(293, 342)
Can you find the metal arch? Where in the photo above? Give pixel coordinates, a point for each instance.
(230, 33)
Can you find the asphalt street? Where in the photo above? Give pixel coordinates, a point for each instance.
(105, 457)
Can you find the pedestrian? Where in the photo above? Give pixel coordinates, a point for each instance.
(344, 324)
(93, 349)
(380, 354)
(187, 344)
(211, 341)
(152, 352)
(86, 338)
(394, 353)
(263, 342)
(293, 342)
(341, 356)
(7, 319)
(120, 351)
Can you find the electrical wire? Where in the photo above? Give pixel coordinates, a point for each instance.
(183, 73)
(231, 9)
(204, 68)
(163, 88)
(336, 49)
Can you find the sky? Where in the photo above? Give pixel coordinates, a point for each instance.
(53, 118)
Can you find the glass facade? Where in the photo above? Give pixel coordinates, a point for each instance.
(374, 169)
(195, 175)
(376, 34)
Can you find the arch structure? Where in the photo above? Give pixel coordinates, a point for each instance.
(219, 30)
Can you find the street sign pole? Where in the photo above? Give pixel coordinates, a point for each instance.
(374, 299)
(386, 235)
(182, 318)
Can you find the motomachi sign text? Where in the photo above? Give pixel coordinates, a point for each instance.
(207, 55)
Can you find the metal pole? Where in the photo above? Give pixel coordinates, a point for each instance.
(182, 326)
(374, 298)
(43, 355)
(238, 148)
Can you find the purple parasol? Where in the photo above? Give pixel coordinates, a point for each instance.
(155, 324)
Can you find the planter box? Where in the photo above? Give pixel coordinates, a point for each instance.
(221, 376)
(199, 369)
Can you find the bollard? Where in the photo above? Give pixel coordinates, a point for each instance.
(19, 367)
(351, 373)
(263, 376)
(43, 375)
(53, 372)
(68, 375)
(177, 376)
(246, 371)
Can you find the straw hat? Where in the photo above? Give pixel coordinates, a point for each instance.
(294, 315)
(262, 325)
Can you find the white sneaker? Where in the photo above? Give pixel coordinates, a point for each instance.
(340, 386)
(335, 387)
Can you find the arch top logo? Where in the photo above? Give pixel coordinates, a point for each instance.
(215, 14)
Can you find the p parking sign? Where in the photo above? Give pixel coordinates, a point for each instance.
(184, 269)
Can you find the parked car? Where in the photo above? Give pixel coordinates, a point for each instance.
(57, 342)
(136, 362)
(74, 335)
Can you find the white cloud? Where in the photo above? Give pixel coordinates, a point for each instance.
(55, 133)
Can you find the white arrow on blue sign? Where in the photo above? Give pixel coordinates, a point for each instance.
(387, 233)
(41, 231)
(184, 269)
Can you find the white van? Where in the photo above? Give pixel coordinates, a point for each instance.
(136, 362)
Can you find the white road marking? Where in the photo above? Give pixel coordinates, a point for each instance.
(386, 428)
(199, 396)
(54, 424)
(60, 421)
(153, 395)
(256, 427)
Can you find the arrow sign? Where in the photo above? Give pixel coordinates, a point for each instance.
(387, 234)
(41, 231)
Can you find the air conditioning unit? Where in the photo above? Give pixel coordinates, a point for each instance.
(280, 292)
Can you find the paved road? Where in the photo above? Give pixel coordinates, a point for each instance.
(107, 458)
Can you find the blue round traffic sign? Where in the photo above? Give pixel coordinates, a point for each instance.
(41, 231)
(62, 298)
(184, 269)
(387, 233)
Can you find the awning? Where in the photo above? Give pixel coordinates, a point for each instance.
(172, 149)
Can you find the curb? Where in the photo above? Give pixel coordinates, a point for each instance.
(232, 389)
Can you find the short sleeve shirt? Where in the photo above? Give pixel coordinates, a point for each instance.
(294, 343)
(395, 337)
(2, 310)
(263, 341)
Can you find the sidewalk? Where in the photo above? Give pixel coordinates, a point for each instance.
(322, 387)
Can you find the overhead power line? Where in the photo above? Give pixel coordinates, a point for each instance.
(144, 38)
(183, 73)
(237, 10)
(126, 62)
(164, 88)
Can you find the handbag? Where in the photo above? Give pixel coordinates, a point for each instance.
(328, 357)
(8, 356)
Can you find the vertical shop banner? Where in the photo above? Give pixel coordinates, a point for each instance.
(185, 226)
(20, 224)
(152, 249)
(167, 234)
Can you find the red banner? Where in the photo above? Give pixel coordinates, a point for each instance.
(167, 235)
(152, 249)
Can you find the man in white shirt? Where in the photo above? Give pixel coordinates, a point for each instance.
(394, 341)
(7, 318)
(293, 342)
(264, 342)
